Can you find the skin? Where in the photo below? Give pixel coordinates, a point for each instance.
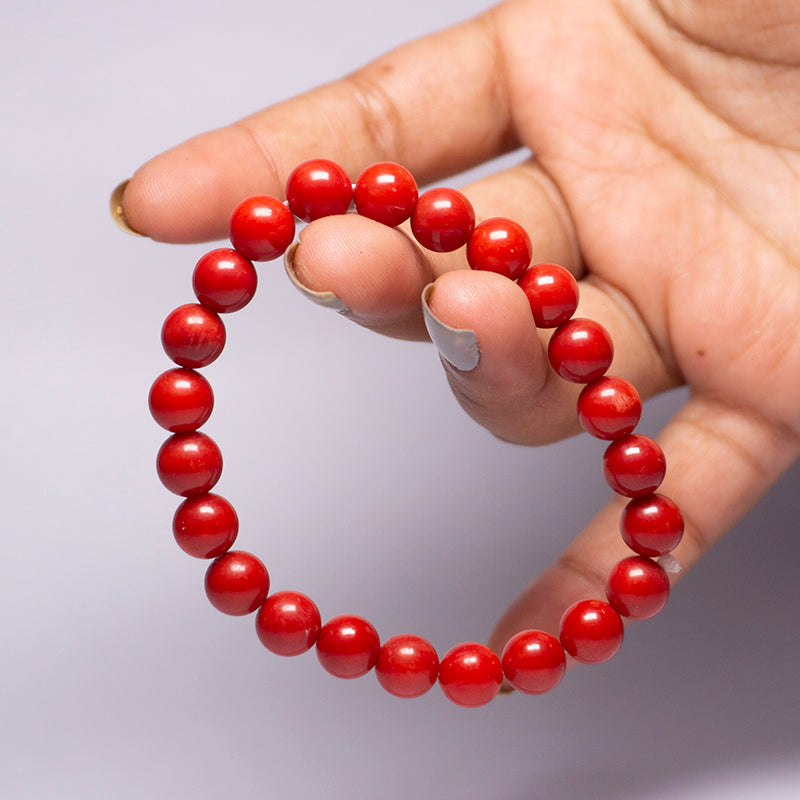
(665, 176)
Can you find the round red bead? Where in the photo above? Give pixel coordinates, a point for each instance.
(181, 400)
(348, 646)
(189, 463)
(237, 583)
(500, 245)
(591, 631)
(552, 293)
(205, 526)
(580, 350)
(609, 408)
(637, 588)
(193, 336)
(634, 465)
(470, 674)
(261, 228)
(534, 662)
(288, 623)
(224, 280)
(651, 525)
(443, 220)
(318, 188)
(387, 193)
(407, 666)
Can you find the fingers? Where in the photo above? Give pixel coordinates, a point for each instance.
(408, 106)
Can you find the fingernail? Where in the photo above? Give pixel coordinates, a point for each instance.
(325, 299)
(458, 346)
(118, 213)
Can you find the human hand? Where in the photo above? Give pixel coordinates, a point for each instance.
(664, 175)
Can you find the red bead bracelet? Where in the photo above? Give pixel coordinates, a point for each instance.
(288, 623)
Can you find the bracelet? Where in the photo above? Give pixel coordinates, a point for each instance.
(288, 623)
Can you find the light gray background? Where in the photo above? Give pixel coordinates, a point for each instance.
(356, 477)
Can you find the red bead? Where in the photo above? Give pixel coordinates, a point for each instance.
(237, 583)
(637, 588)
(407, 666)
(634, 465)
(205, 526)
(262, 228)
(580, 350)
(591, 631)
(193, 335)
(443, 220)
(387, 193)
(534, 662)
(181, 400)
(651, 525)
(348, 646)
(552, 292)
(224, 280)
(470, 674)
(609, 408)
(189, 463)
(500, 245)
(288, 623)
(318, 188)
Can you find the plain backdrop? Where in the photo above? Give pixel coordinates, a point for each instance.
(356, 477)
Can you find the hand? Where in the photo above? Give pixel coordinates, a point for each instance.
(664, 174)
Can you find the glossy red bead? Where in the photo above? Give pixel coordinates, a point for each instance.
(580, 350)
(651, 525)
(591, 631)
(552, 293)
(634, 465)
(470, 674)
(348, 646)
(534, 662)
(237, 583)
(443, 220)
(318, 188)
(500, 245)
(193, 336)
(609, 408)
(261, 228)
(288, 623)
(205, 526)
(224, 280)
(407, 666)
(181, 400)
(637, 588)
(387, 193)
(189, 463)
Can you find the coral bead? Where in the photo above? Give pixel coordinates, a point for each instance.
(407, 666)
(637, 588)
(609, 408)
(500, 245)
(318, 188)
(591, 631)
(443, 220)
(387, 193)
(181, 400)
(261, 228)
(470, 674)
(224, 280)
(534, 662)
(193, 336)
(237, 583)
(189, 463)
(552, 293)
(288, 623)
(348, 646)
(651, 525)
(634, 465)
(580, 350)
(205, 526)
